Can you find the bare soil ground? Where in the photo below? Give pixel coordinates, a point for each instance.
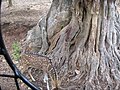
(16, 21)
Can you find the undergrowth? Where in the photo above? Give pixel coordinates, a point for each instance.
(16, 50)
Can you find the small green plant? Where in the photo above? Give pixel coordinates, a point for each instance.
(16, 51)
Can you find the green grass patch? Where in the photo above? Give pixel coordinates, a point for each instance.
(16, 54)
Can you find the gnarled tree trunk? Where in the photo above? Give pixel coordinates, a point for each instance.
(83, 38)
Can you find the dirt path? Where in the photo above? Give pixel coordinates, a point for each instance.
(24, 11)
(16, 21)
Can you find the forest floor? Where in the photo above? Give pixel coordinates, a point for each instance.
(16, 21)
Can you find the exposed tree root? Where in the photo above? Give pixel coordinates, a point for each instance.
(82, 36)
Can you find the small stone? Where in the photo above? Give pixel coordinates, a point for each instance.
(77, 71)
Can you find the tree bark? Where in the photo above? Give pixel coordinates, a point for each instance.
(10, 3)
(83, 38)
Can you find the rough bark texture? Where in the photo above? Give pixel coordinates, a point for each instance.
(83, 39)
(10, 3)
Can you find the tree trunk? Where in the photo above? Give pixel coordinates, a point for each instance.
(9, 3)
(83, 38)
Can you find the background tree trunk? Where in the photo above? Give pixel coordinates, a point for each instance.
(83, 38)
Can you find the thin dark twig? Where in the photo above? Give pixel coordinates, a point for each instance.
(17, 84)
(17, 73)
(48, 58)
(5, 75)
